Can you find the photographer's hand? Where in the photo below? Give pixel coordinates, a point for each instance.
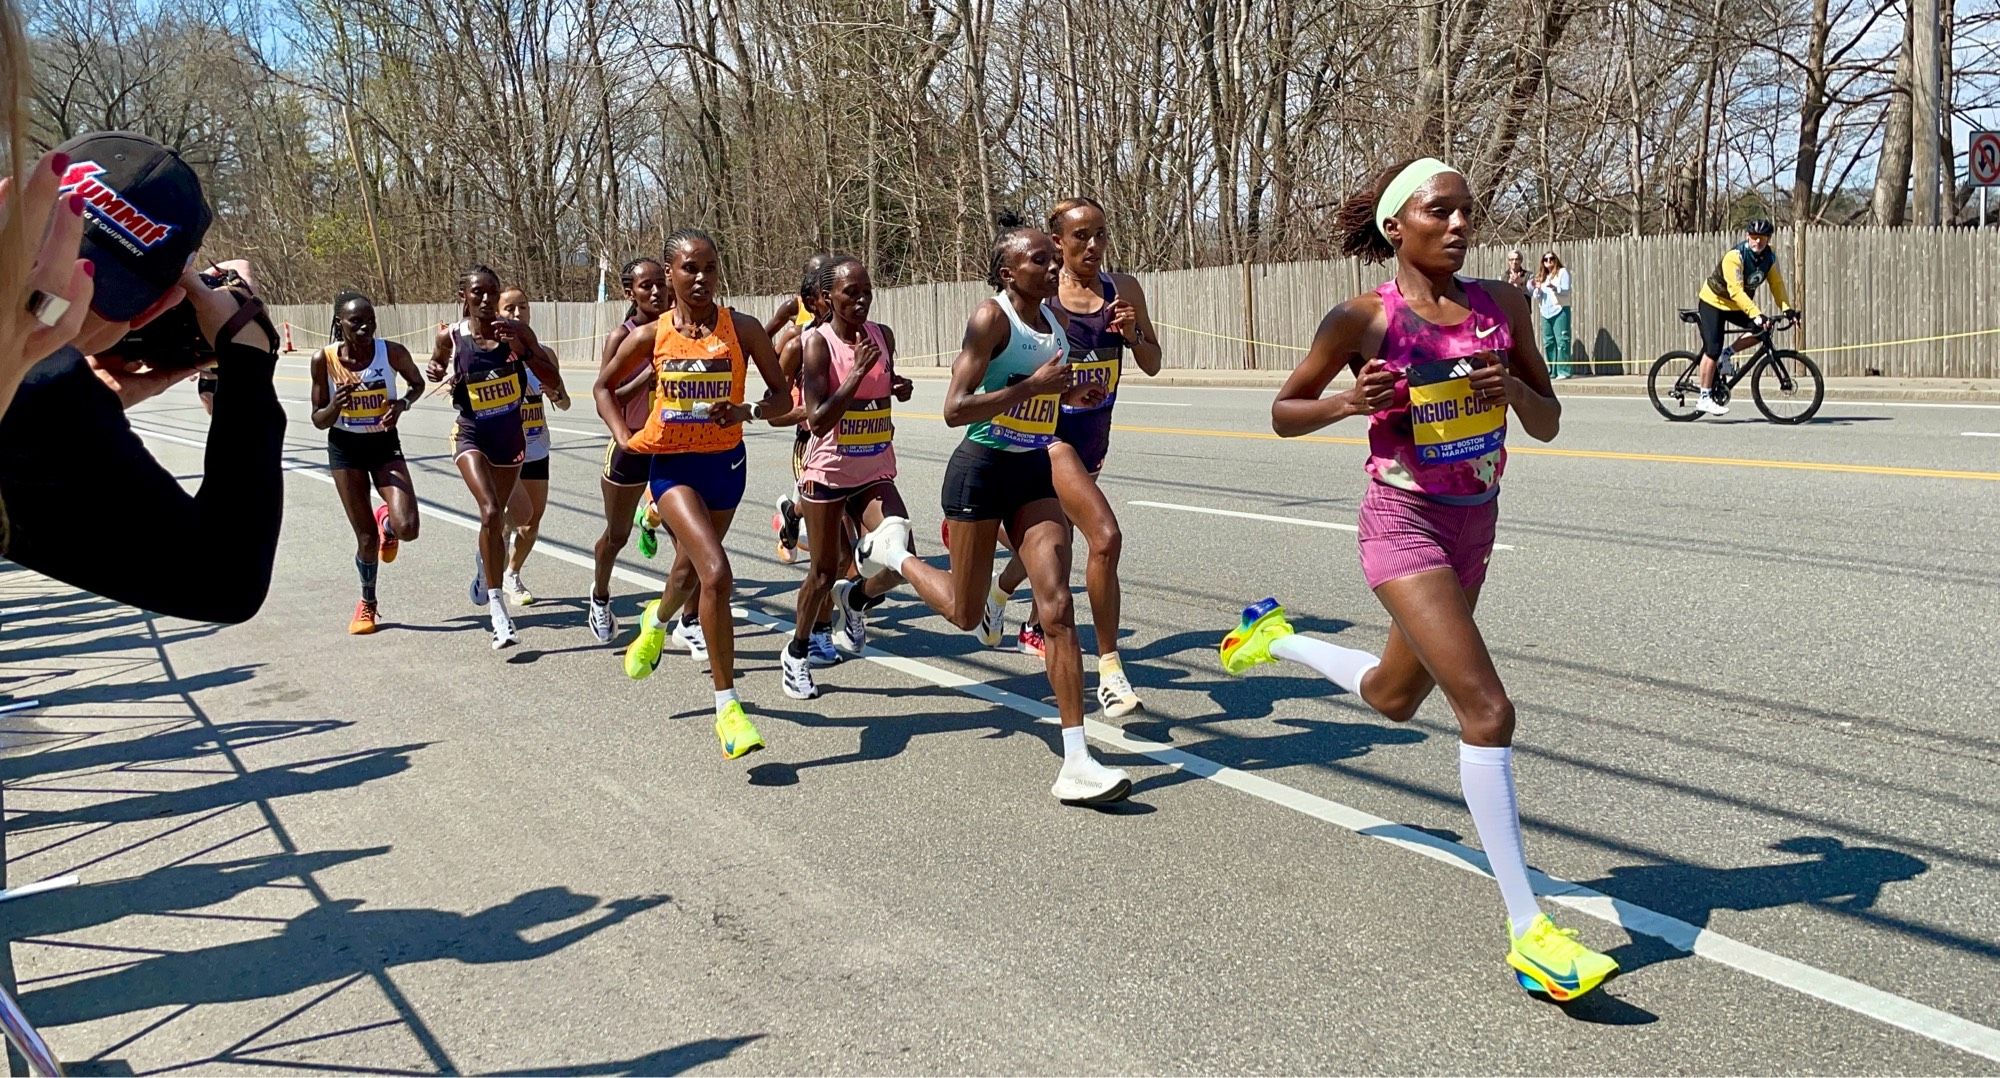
(48, 287)
(135, 383)
(214, 308)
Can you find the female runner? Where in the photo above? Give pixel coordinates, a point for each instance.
(485, 356)
(354, 402)
(848, 386)
(1106, 314)
(699, 352)
(1439, 361)
(1007, 386)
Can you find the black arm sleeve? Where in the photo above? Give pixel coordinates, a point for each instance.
(68, 456)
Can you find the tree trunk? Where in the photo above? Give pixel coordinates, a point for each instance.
(1892, 170)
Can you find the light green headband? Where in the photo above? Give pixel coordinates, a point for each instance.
(1414, 175)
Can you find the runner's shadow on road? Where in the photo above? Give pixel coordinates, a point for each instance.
(1843, 879)
(127, 692)
(679, 1059)
(887, 738)
(1314, 743)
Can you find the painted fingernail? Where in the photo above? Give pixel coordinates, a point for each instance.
(76, 205)
(89, 269)
(59, 163)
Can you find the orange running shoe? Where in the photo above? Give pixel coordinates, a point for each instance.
(364, 619)
(386, 538)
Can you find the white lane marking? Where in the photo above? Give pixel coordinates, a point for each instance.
(1941, 1026)
(581, 433)
(1334, 525)
(1156, 404)
(1979, 434)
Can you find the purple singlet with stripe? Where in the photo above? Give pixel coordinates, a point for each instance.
(1436, 439)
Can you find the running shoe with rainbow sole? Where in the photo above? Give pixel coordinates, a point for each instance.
(1548, 961)
(642, 655)
(733, 728)
(1249, 644)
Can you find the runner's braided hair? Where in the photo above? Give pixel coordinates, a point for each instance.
(826, 274)
(1359, 236)
(1011, 227)
(473, 273)
(630, 273)
(339, 301)
(680, 236)
(809, 286)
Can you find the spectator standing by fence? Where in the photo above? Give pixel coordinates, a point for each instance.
(1552, 293)
(1517, 275)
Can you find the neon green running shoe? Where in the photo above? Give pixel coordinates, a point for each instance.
(1549, 961)
(1249, 644)
(649, 541)
(739, 738)
(642, 655)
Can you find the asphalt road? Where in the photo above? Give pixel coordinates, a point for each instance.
(1753, 666)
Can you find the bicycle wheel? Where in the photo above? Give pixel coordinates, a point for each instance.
(1674, 384)
(1788, 388)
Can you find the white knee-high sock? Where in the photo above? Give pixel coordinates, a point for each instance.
(1343, 666)
(1486, 774)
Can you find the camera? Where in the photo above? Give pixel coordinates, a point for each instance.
(173, 341)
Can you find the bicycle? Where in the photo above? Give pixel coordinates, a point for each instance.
(1786, 385)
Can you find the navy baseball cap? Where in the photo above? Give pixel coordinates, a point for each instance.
(144, 217)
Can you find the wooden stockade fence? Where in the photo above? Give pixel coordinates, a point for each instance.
(1862, 288)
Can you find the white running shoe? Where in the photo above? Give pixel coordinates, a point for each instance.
(820, 650)
(1087, 782)
(517, 592)
(1707, 406)
(689, 637)
(993, 623)
(479, 593)
(603, 623)
(886, 548)
(503, 629)
(799, 683)
(1115, 695)
(850, 626)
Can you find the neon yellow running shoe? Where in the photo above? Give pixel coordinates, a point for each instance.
(739, 738)
(1249, 644)
(1548, 960)
(642, 655)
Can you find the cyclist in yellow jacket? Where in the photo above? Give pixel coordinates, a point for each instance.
(1729, 298)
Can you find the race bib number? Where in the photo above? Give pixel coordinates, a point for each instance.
(1447, 421)
(689, 396)
(366, 408)
(532, 422)
(866, 429)
(1030, 424)
(492, 394)
(1101, 368)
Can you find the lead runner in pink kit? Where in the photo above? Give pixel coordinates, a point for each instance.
(1440, 363)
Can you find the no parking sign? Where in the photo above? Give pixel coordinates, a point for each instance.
(1985, 155)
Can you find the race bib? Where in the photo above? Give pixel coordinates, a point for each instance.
(1101, 368)
(532, 422)
(1030, 424)
(366, 408)
(1447, 421)
(866, 429)
(688, 396)
(494, 393)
